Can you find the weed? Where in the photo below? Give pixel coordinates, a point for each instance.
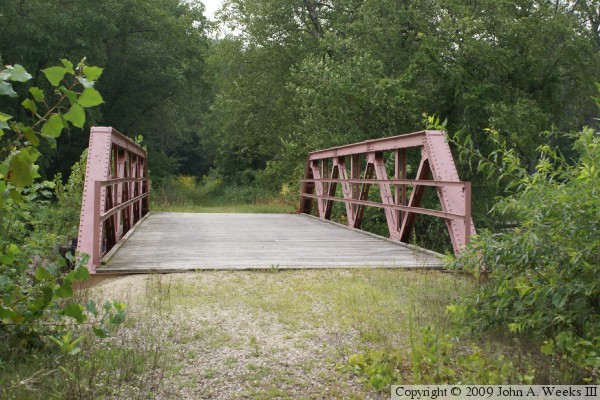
(210, 373)
(255, 346)
(158, 292)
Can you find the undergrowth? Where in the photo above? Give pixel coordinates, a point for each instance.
(185, 194)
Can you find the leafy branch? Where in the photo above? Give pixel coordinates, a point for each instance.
(38, 301)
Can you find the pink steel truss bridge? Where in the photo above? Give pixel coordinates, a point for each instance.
(325, 169)
(116, 200)
(115, 195)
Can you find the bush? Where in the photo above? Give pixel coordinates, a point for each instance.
(436, 358)
(175, 191)
(543, 274)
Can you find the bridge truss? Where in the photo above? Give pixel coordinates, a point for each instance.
(115, 195)
(325, 169)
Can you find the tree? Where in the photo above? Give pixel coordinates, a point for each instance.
(350, 70)
(153, 54)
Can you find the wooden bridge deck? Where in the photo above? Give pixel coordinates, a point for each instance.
(172, 242)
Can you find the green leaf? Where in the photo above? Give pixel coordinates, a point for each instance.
(3, 122)
(38, 94)
(118, 318)
(64, 291)
(6, 312)
(53, 127)
(92, 73)
(48, 293)
(10, 256)
(30, 135)
(6, 89)
(14, 195)
(22, 168)
(91, 307)
(30, 105)
(70, 277)
(548, 347)
(68, 65)
(82, 273)
(18, 73)
(37, 304)
(76, 115)
(42, 274)
(74, 311)
(71, 95)
(119, 305)
(100, 332)
(90, 98)
(55, 74)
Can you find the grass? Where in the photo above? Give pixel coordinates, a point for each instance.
(183, 194)
(327, 319)
(216, 206)
(285, 334)
(120, 367)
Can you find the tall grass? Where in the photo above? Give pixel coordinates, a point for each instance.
(124, 365)
(185, 194)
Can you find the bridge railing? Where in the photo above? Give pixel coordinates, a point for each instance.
(325, 169)
(116, 192)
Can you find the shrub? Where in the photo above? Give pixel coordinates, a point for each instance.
(543, 274)
(436, 358)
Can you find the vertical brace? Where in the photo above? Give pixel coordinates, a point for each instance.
(452, 198)
(96, 236)
(314, 165)
(331, 191)
(354, 174)
(468, 225)
(400, 190)
(347, 188)
(408, 222)
(307, 187)
(363, 195)
(386, 194)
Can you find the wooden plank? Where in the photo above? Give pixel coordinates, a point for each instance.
(168, 242)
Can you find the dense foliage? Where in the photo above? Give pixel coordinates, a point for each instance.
(303, 75)
(543, 274)
(296, 75)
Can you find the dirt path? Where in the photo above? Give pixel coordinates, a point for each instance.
(228, 335)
